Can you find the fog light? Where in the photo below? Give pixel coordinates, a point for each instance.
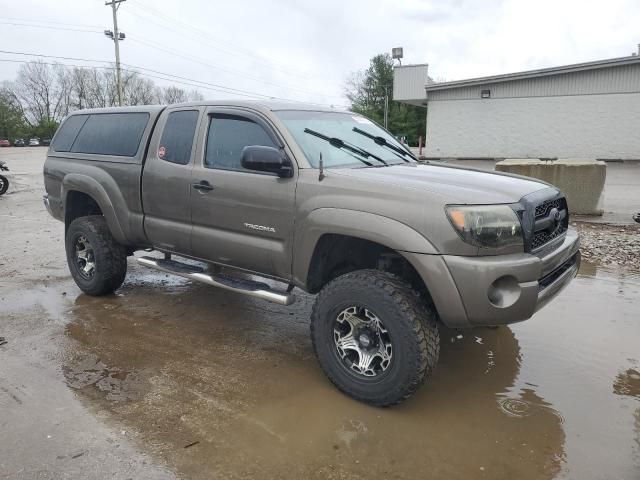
(504, 292)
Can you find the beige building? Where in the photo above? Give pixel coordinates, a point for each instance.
(586, 110)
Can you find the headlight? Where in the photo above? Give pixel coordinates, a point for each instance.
(488, 226)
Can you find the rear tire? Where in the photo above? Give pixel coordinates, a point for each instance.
(4, 184)
(373, 336)
(97, 263)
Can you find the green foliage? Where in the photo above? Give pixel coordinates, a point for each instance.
(44, 129)
(12, 123)
(366, 92)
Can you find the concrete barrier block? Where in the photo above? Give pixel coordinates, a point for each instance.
(581, 180)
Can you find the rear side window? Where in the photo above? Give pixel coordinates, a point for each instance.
(111, 134)
(228, 135)
(68, 132)
(177, 137)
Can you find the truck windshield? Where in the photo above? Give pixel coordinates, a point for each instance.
(338, 125)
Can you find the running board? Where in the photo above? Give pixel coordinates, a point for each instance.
(233, 284)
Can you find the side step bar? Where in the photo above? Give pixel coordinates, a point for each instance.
(238, 285)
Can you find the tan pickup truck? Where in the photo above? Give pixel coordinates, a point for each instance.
(318, 199)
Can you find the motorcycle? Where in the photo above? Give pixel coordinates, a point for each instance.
(4, 181)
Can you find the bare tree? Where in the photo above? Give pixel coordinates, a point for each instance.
(44, 94)
(171, 95)
(39, 92)
(137, 90)
(64, 81)
(195, 96)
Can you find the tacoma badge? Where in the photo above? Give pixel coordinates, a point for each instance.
(260, 227)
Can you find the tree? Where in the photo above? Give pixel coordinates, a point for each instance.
(366, 91)
(12, 124)
(43, 94)
(172, 94)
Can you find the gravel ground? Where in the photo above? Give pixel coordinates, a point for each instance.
(610, 244)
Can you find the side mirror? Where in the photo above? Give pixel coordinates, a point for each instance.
(266, 159)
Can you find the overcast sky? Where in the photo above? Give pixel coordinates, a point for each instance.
(306, 50)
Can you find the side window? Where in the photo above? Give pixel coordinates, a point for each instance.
(68, 133)
(111, 134)
(228, 135)
(177, 137)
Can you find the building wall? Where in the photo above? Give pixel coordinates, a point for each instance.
(603, 126)
(619, 79)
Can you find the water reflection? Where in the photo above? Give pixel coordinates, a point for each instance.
(239, 376)
(627, 384)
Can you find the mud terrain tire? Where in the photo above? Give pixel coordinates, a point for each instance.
(409, 325)
(90, 236)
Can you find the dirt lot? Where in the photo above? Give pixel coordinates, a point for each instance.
(169, 379)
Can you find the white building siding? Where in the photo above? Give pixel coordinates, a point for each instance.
(605, 126)
(620, 79)
(409, 83)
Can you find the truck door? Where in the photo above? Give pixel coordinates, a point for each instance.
(240, 218)
(166, 180)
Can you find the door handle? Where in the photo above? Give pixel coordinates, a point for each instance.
(203, 186)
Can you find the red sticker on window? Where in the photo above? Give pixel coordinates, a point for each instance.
(161, 152)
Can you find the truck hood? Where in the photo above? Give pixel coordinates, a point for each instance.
(457, 184)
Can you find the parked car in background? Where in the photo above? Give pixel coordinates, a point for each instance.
(18, 142)
(5, 143)
(34, 142)
(45, 142)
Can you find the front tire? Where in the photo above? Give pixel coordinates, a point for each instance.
(375, 339)
(97, 263)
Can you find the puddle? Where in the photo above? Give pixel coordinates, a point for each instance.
(239, 377)
(175, 365)
(114, 384)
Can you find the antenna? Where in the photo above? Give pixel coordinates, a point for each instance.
(321, 167)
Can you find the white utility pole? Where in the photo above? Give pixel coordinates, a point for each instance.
(386, 106)
(117, 37)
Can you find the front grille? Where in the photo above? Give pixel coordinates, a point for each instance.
(544, 208)
(546, 234)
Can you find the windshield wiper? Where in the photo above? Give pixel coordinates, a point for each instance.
(383, 143)
(339, 143)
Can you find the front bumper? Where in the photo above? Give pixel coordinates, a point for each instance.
(53, 206)
(47, 204)
(497, 290)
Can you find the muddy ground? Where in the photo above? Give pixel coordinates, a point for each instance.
(170, 379)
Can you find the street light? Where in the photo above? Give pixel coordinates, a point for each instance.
(396, 54)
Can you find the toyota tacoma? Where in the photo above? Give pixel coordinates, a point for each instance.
(291, 195)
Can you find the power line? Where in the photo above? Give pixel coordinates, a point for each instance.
(50, 22)
(235, 49)
(218, 87)
(162, 76)
(89, 67)
(174, 53)
(53, 56)
(99, 29)
(50, 27)
(189, 28)
(180, 55)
